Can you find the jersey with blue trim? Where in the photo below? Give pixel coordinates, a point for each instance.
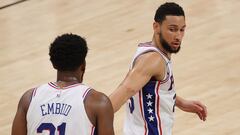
(59, 111)
(151, 110)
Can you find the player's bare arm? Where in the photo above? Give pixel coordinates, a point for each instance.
(19, 126)
(148, 65)
(100, 112)
(192, 106)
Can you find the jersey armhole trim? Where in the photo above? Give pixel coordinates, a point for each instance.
(33, 94)
(85, 93)
(93, 130)
(140, 54)
(166, 76)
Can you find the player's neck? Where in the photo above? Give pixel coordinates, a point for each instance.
(159, 46)
(68, 78)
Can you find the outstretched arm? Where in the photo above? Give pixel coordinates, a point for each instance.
(19, 126)
(146, 66)
(193, 107)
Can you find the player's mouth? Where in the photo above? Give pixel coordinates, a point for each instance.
(176, 44)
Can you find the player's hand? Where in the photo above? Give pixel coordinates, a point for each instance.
(194, 107)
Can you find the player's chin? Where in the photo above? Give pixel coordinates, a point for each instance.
(175, 49)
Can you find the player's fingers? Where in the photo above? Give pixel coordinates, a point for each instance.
(204, 108)
(204, 112)
(204, 115)
(199, 115)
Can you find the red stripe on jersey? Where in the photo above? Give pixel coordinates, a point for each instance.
(158, 107)
(140, 101)
(53, 85)
(93, 130)
(86, 92)
(34, 92)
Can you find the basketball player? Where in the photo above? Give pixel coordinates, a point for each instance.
(148, 87)
(67, 106)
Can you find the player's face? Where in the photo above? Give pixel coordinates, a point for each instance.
(171, 33)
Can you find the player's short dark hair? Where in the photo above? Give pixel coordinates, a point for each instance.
(168, 8)
(68, 52)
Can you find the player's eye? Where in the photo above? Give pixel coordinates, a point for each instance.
(173, 29)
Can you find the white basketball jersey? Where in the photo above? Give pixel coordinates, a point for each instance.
(55, 111)
(151, 110)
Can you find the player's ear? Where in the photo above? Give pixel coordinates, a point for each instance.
(81, 70)
(83, 66)
(156, 27)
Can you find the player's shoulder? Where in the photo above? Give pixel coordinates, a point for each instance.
(96, 97)
(26, 99)
(151, 59)
(97, 104)
(151, 55)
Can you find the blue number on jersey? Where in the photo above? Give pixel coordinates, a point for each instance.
(172, 83)
(131, 105)
(51, 128)
(174, 98)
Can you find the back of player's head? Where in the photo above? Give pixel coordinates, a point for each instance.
(168, 8)
(68, 52)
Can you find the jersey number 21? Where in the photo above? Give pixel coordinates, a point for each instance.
(51, 128)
